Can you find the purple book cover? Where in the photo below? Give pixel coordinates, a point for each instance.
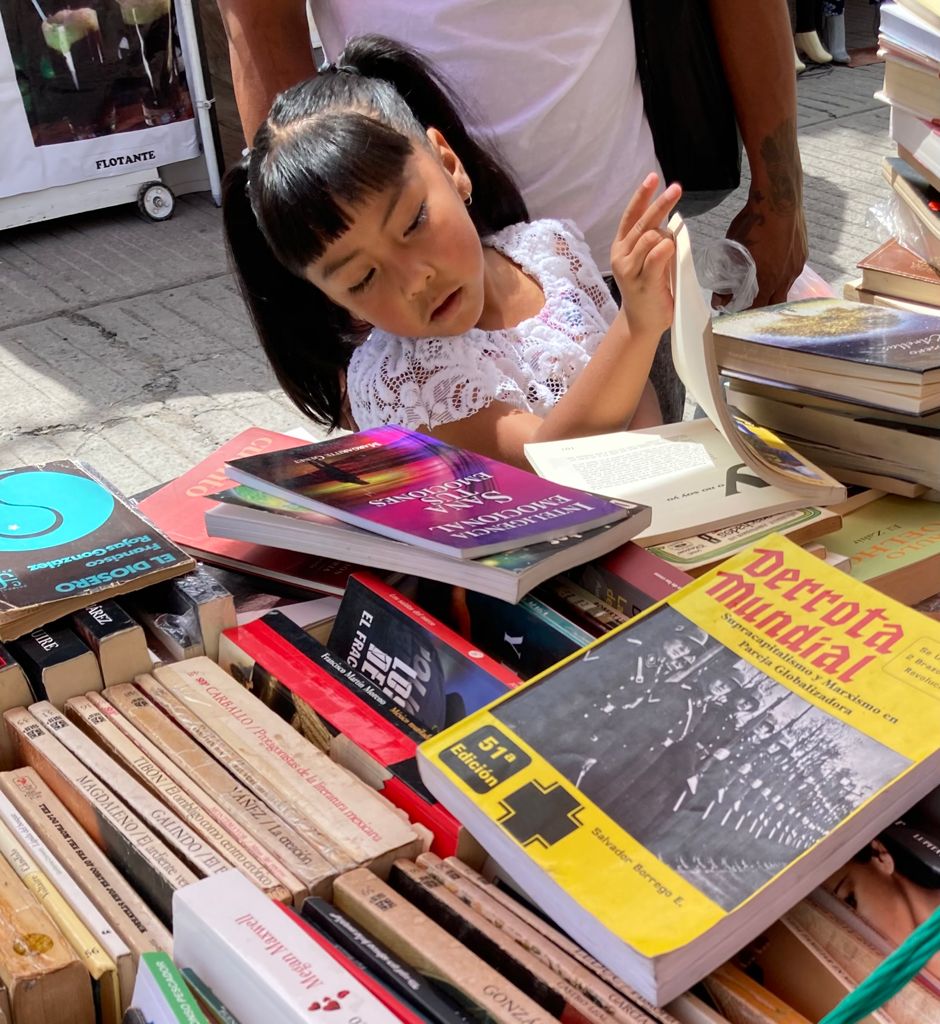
(415, 488)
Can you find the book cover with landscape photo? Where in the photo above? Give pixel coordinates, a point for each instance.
(705, 765)
(415, 488)
(65, 536)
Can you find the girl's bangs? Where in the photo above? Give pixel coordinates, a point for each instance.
(311, 181)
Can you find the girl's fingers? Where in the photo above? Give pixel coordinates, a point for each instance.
(639, 201)
(651, 214)
(637, 259)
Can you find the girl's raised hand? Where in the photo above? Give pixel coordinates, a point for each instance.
(641, 257)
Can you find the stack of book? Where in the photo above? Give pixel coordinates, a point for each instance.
(903, 272)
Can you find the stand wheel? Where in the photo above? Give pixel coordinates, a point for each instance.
(155, 201)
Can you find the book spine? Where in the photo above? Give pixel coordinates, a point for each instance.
(256, 793)
(554, 948)
(101, 968)
(359, 823)
(167, 788)
(427, 947)
(403, 1011)
(345, 701)
(177, 997)
(553, 992)
(57, 664)
(210, 1002)
(259, 961)
(62, 884)
(199, 854)
(117, 641)
(14, 693)
(148, 752)
(212, 604)
(98, 878)
(582, 607)
(381, 962)
(153, 869)
(38, 967)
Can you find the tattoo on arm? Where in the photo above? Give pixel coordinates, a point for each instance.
(781, 158)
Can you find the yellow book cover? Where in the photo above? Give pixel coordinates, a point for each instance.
(670, 790)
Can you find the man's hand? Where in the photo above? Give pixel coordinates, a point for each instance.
(777, 241)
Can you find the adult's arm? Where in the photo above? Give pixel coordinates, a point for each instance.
(756, 45)
(269, 49)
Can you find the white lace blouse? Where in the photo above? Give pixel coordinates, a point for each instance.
(425, 382)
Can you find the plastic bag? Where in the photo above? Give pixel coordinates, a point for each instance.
(892, 218)
(727, 268)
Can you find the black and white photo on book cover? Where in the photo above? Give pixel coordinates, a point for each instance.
(722, 773)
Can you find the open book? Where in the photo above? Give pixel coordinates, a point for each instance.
(743, 469)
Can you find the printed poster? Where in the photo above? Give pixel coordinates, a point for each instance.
(90, 91)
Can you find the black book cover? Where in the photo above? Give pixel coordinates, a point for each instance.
(375, 958)
(44, 649)
(98, 622)
(427, 670)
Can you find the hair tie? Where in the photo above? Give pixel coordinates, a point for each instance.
(345, 69)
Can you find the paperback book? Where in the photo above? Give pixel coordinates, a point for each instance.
(248, 514)
(179, 508)
(849, 349)
(429, 671)
(67, 540)
(774, 713)
(417, 489)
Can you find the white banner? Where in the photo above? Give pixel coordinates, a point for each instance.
(88, 92)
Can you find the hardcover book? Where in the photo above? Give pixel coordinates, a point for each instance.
(248, 514)
(299, 678)
(259, 961)
(430, 672)
(892, 269)
(14, 693)
(419, 490)
(773, 714)
(67, 539)
(179, 508)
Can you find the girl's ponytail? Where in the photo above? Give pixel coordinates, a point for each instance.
(497, 202)
(291, 316)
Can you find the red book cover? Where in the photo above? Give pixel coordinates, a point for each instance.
(631, 579)
(273, 652)
(179, 509)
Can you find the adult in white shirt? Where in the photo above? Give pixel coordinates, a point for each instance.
(555, 85)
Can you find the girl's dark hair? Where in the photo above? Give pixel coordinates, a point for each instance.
(327, 144)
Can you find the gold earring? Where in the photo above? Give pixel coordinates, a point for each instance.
(468, 199)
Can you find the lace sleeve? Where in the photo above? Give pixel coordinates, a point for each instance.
(415, 384)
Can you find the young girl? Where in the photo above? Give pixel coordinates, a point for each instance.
(393, 277)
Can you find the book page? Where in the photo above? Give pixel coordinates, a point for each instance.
(616, 464)
(693, 352)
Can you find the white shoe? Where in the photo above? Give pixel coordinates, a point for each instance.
(797, 63)
(808, 44)
(835, 38)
